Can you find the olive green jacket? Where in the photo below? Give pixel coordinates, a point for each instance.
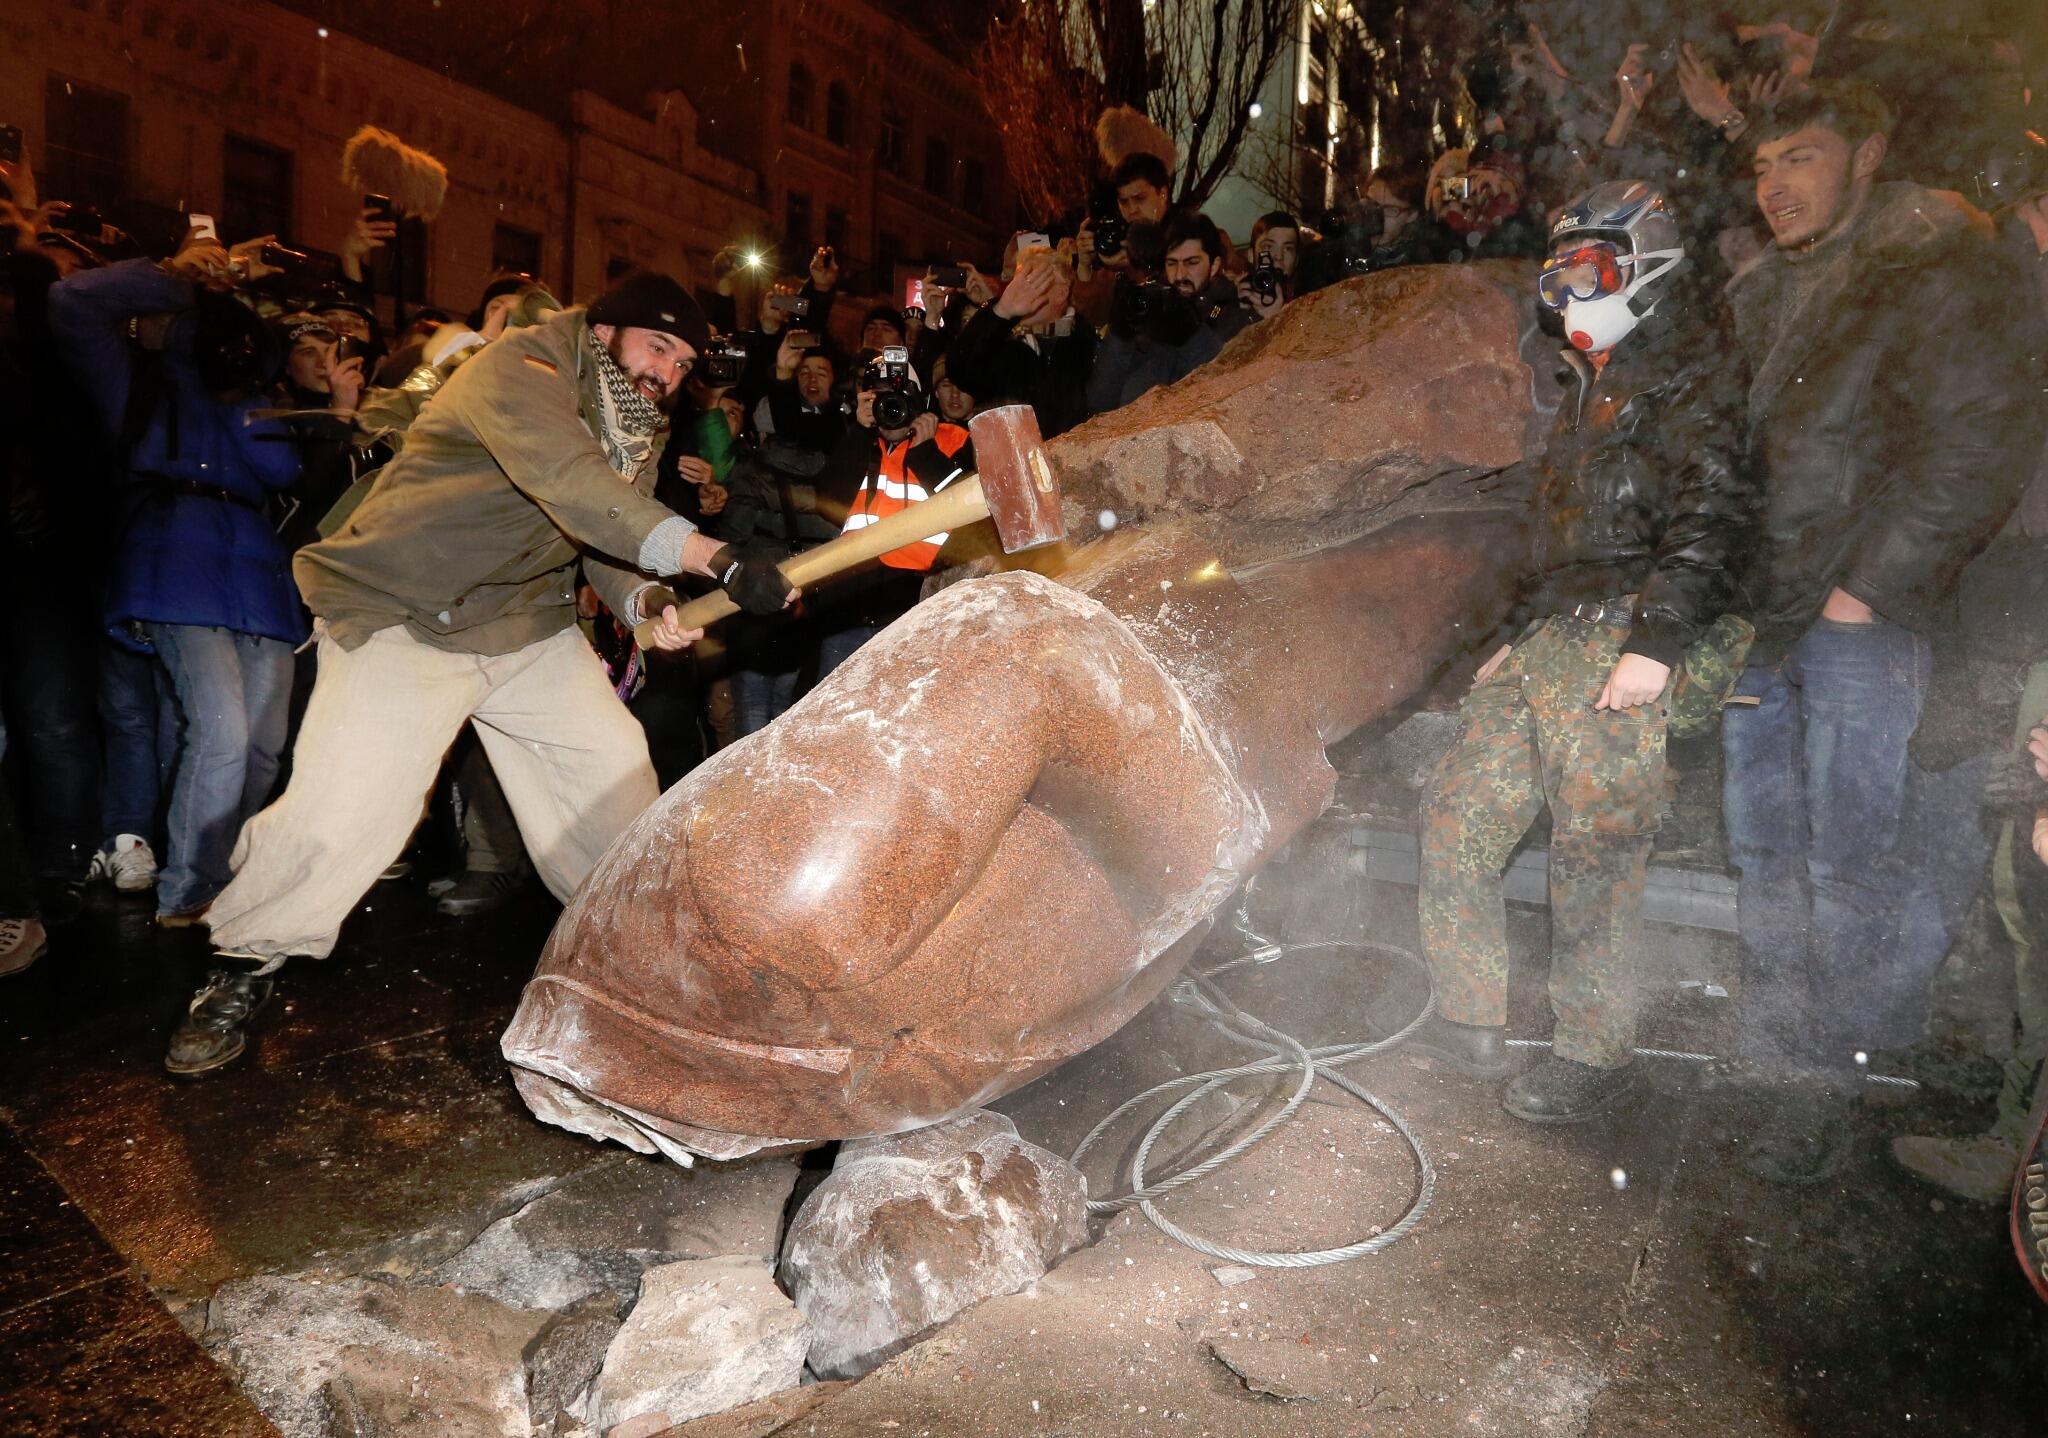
(471, 536)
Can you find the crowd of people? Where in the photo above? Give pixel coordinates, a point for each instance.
(1798, 284)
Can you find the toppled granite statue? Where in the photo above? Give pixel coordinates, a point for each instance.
(994, 835)
(910, 1229)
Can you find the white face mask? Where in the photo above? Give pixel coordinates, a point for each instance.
(1605, 321)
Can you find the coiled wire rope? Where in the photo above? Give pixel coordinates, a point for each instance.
(1198, 993)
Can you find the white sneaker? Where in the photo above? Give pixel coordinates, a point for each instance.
(129, 863)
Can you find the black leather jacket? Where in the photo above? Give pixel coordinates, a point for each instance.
(1642, 489)
(1898, 419)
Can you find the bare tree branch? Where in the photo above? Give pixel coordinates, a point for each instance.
(1195, 66)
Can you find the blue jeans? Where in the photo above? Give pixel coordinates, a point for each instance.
(1819, 802)
(760, 696)
(234, 697)
(139, 735)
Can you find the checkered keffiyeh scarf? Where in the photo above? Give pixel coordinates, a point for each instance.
(627, 419)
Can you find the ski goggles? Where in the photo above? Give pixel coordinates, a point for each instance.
(1582, 272)
(1593, 269)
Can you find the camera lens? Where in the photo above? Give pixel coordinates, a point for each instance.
(893, 409)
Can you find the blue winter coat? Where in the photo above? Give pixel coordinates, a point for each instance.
(181, 558)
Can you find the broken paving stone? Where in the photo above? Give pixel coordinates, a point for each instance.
(562, 1364)
(1277, 1369)
(770, 1415)
(909, 1230)
(601, 1229)
(1232, 1274)
(707, 1335)
(289, 1337)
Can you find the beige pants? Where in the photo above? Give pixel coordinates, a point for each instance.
(572, 761)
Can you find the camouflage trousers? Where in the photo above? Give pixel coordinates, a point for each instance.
(1531, 736)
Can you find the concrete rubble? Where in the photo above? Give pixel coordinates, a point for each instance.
(357, 1357)
(707, 1334)
(599, 1230)
(510, 1335)
(910, 1230)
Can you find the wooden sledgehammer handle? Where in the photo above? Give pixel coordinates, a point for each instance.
(959, 503)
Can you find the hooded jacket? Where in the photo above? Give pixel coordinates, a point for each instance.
(1643, 488)
(1894, 418)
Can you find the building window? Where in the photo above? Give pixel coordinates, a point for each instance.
(973, 185)
(85, 159)
(938, 167)
(796, 227)
(514, 251)
(800, 97)
(888, 251)
(256, 190)
(618, 268)
(835, 228)
(892, 142)
(838, 112)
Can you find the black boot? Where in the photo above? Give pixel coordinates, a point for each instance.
(1567, 1091)
(1477, 1051)
(215, 1029)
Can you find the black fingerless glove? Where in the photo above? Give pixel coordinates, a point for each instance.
(753, 576)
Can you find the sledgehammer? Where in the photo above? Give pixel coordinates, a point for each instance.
(1015, 487)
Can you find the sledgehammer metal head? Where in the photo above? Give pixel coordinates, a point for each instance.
(1016, 478)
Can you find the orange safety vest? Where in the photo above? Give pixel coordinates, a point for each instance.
(892, 487)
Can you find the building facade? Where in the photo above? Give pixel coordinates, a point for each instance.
(845, 128)
(872, 138)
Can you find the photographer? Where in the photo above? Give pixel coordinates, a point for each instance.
(790, 307)
(1380, 230)
(896, 454)
(1027, 348)
(1163, 329)
(1276, 253)
(1141, 186)
(175, 364)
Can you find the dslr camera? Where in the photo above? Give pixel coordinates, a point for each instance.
(1154, 309)
(1265, 278)
(722, 365)
(1110, 233)
(898, 400)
